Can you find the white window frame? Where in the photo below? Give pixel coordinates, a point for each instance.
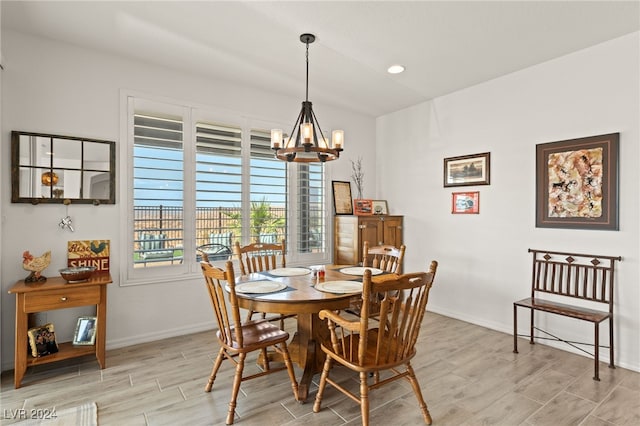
(193, 114)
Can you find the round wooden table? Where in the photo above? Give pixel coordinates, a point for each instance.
(302, 299)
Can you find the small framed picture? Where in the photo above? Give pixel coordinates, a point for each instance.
(342, 197)
(42, 340)
(467, 170)
(380, 207)
(85, 331)
(363, 207)
(465, 202)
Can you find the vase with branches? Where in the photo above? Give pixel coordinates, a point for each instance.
(357, 174)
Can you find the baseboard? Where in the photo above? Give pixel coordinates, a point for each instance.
(509, 330)
(160, 335)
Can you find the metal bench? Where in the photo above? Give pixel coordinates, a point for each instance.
(561, 279)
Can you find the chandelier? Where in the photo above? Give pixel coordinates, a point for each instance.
(306, 143)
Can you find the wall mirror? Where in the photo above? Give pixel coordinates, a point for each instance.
(52, 168)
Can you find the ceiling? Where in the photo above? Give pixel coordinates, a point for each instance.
(445, 46)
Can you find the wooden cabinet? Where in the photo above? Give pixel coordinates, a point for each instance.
(350, 232)
(56, 293)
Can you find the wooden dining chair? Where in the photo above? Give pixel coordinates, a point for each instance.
(385, 257)
(385, 344)
(261, 257)
(238, 339)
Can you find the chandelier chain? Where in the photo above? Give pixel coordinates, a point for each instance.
(307, 85)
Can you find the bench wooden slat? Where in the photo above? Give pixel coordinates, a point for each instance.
(586, 314)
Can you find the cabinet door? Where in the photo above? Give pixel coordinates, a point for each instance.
(345, 242)
(370, 230)
(392, 230)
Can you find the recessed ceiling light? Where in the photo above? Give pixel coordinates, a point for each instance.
(395, 69)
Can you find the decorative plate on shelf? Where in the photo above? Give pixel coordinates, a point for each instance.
(340, 287)
(260, 287)
(288, 272)
(359, 270)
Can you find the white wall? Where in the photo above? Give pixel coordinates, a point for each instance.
(49, 87)
(484, 264)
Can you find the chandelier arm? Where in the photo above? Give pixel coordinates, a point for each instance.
(296, 125)
(315, 121)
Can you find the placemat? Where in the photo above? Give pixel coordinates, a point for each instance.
(340, 287)
(359, 270)
(287, 272)
(260, 287)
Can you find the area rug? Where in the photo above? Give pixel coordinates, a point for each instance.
(82, 415)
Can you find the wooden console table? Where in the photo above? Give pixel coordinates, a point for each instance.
(56, 293)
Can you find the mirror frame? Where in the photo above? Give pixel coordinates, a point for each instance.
(15, 172)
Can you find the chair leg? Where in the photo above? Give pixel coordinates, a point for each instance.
(250, 315)
(292, 374)
(237, 379)
(416, 389)
(265, 359)
(364, 398)
(322, 385)
(214, 371)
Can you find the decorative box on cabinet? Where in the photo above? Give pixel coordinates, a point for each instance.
(350, 233)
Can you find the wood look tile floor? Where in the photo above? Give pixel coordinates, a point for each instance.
(468, 374)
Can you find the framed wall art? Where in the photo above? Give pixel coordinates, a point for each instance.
(342, 202)
(465, 202)
(85, 331)
(577, 183)
(363, 207)
(380, 207)
(467, 170)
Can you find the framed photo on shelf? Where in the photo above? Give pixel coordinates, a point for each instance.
(465, 202)
(363, 207)
(85, 331)
(42, 340)
(577, 183)
(467, 170)
(342, 202)
(380, 207)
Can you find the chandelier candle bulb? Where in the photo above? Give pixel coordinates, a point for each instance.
(337, 137)
(307, 133)
(276, 138)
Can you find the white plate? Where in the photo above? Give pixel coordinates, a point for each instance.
(359, 270)
(288, 272)
(259, 287)
(340, 287)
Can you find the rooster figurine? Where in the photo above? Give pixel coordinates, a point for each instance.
(36, 265)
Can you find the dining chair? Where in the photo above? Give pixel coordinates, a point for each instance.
(385, 344)
(237, 339)
(385, 257)
(261, 257)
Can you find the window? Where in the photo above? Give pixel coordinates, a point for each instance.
(157, 189)
(218, 189)
(268, 192)
(202, 184)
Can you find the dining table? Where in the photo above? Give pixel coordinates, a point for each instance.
(298, 293)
